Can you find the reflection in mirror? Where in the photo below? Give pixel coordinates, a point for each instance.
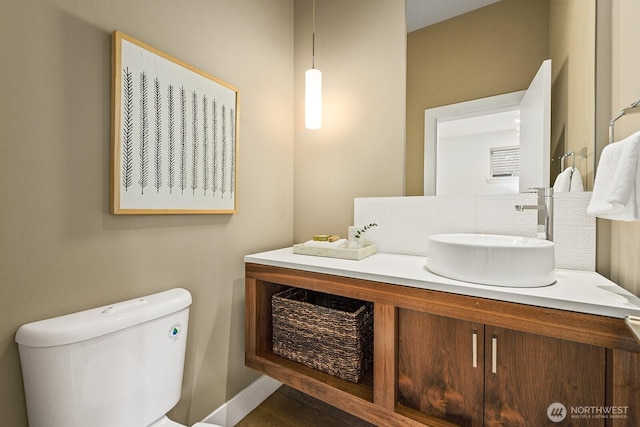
(496, 50)
(458, 142)
(479, 154)
(494, 145)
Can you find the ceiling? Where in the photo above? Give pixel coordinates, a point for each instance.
(480, 124)
(422, 13)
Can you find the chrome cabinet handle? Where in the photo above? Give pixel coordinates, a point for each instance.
(475, 349)
(494, 355)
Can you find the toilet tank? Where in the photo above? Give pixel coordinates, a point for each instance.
(118, 365)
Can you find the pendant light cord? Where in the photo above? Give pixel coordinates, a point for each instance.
(313, 37)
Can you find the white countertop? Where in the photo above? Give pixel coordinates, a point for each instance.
(579, 291)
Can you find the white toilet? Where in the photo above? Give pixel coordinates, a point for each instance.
(114, 366)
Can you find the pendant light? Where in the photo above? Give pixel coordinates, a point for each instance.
(313, 86)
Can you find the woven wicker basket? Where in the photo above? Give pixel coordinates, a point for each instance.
(326, 332)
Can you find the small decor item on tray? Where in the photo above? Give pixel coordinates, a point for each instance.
(356, 235)
(332, 246)
(326, 238)
(326, 332)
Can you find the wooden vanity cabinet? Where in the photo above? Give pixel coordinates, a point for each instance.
(530, 372)
(435, 355)
(474, 375)
(441, 367)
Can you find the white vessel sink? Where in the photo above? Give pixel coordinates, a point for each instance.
(492, 259)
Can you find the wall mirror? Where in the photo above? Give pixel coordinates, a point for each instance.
(490, 51)
(494, 145)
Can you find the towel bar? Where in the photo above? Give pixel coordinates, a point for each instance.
(582, 153)
(631, 109)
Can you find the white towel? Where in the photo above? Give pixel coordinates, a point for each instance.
(576, 180)
(563, 181)
(324, 244)
(616, 190)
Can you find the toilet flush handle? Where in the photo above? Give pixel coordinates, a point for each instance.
(125, 306)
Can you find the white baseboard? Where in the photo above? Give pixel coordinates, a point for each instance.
(234, 410)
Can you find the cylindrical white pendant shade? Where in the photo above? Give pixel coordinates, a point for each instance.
(313, 99)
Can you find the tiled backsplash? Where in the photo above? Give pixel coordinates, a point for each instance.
(405, 223)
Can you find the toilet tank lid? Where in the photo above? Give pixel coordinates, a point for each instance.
(88, 324)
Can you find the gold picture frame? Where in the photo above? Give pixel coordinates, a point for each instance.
(174, 135)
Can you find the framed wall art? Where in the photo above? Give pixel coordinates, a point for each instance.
(174, 135)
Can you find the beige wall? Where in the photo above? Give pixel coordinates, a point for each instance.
(360, 49)
(572, 36)
(61, 251)
(493, 50)
(624, 251)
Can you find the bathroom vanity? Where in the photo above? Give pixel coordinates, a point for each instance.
(453, 353)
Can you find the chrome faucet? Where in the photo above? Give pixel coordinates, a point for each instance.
(545, 212)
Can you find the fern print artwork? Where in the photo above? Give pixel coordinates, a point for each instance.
(175, 135)
(157, 154)
(205, 147)
(171, 129)
(143, 159)
(183, 139)
(127, 129)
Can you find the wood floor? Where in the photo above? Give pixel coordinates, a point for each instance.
(290, 408)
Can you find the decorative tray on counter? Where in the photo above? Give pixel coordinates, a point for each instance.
(344, 253)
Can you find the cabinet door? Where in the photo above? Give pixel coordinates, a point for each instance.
(625, 393)
(526, 374)
(439, 373)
